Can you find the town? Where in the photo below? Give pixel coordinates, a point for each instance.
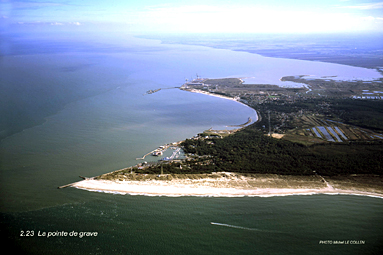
(320, 111)
(341, 134)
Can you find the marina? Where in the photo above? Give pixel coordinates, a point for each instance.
(175, 154)
(160, 150)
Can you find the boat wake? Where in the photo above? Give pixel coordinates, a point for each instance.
(245, 228)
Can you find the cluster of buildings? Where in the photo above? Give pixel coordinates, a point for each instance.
(368, 97)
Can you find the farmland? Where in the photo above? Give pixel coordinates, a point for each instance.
(330, 135)
(318, 120)
(324, 111)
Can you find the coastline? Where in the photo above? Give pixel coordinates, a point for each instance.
(230, 185)
(217, 95)
(211, 94)
(226, 184)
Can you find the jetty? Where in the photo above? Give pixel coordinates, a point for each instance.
(70, 184)
(161, 149)
(65, 186)
(242, 125)
(149, 153)
(156, 152)
(152, 91)
(175, 153)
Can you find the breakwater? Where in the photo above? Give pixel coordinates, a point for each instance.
(242, 125)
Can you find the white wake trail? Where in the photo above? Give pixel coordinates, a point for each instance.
(245, 228)
(233, 226)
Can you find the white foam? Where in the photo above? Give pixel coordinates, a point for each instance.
(309, 193)
(232, 226)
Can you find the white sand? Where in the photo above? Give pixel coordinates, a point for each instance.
(211, 94)
(215, 95)
(171, 188)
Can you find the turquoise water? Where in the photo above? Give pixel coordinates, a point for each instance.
(95, 119)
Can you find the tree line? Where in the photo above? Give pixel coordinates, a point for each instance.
(250, 151)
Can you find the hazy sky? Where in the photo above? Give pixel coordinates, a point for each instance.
(207, 16)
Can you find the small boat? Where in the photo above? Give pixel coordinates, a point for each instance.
(157, 153)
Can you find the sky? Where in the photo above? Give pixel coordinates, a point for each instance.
(195, 16)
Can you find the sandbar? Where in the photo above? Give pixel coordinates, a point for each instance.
(231, 185)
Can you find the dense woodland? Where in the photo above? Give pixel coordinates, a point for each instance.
(251, 151)
(362, 113)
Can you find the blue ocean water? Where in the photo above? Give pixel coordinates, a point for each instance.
(82, 111)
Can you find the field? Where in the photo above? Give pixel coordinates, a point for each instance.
(311, 130)
(298, 132)
(331, 132)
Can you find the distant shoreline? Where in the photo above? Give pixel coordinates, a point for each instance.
(230, 185)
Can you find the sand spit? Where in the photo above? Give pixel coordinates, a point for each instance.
(233, 185)
(211, 94)
(214, 95)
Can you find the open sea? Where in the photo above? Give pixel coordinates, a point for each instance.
(70, 108)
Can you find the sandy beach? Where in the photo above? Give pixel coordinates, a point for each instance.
(232, 185)
(214, 95)
(211, 94)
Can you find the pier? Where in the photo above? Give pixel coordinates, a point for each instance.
(175, 153)
(151, 91)
(65, 186)
(242, 125)
(70, 184)
(147, 154)
(162, 149)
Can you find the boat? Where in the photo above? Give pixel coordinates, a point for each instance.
(157, 153)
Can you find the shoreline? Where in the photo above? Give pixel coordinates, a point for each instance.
(230, 185)
(220, 96)
(212, 94)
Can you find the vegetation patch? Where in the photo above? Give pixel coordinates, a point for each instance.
(299, 132)
(250, 151)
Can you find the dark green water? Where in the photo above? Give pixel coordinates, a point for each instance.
(182, 225)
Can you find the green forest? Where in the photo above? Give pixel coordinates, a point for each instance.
(250, 151)
(361, 113)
